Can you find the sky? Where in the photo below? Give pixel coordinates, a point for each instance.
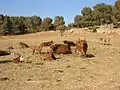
(48, 8)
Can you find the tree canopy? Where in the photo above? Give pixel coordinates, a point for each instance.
(100, 14)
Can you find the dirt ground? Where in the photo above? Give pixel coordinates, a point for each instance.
(68, 72)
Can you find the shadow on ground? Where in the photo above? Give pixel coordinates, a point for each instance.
(4, 53)
(87, 56)
(5, 61)
(90, 56)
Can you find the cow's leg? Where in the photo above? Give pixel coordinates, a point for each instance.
(83, 53)
(33, 51)
(76, 50)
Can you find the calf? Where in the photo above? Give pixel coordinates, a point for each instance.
(61, 49)
(23, 45)
(81, 46)
(70, 43)
(48, 56)
(17, 58)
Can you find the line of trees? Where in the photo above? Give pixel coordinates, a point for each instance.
(10, 25)
(100, 14)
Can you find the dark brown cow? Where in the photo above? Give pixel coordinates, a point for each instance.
(23, 45)
(81, 46)
(61, 49)
(70, 43)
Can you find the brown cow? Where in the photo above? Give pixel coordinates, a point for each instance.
(70, 43)
(49, 43)
(48, 56)
(23, 45)
(81, 46)
(39, 48)
(61, 49)
(17, 58)
(36, 48)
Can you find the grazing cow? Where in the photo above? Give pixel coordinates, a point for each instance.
(23, 45)
(36, 48)
(17, 58)
(49, 43)
(39, 48)
(48, 56)
(81, 46)
(70, 43)
(61, 49)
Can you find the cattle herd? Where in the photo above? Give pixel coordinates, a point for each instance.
(80, 46)
(65, 48)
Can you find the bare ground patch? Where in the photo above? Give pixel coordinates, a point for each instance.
(68, 72)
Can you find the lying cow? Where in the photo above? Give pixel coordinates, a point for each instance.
(70, 43)
(23, 45)
(18, 58)
(61, 49)
(48, 56)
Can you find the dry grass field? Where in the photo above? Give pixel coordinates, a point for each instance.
(68, 72)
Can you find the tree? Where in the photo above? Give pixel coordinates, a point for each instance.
(1, 20)
(46, 24)
(58, 21)
(71, 25)
(18, 25)
(117, 4)
(6, 26)
(77, 19)
(86, 11)
(103, 12)
(36, 20)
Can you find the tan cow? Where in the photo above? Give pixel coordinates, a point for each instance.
(48, 56)
(81, 46)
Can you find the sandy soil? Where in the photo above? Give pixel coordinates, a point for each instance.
(68, 72)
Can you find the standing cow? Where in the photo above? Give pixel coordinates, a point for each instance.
(81, 46)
